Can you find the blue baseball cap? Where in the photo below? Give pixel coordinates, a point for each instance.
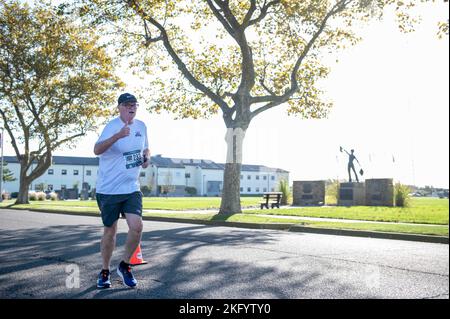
(127, 97)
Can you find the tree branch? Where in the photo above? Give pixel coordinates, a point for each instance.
(264, 11)
(54, 146)
(225, 6)
(221, 18)
(338, 7)
(41, 125)
(10, 133)
(262, 82)
(249, 14)
(148, 36)
(42, 165)
(180, 64)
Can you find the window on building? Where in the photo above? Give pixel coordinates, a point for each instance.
(272, 177)
(142, 174)
(264, 177)
(264, 189)
(63, 172)
(50, 187)
(242, 176)
(273, 189)
(249, 189)
(257, 189)
(187, 175)
(75, 172)
(50, 171)
(88, 172)
(242, 189)
(257, 177)
(249, 177)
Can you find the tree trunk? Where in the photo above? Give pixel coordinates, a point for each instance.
(22, 198)
(231, 200)
(25, 180)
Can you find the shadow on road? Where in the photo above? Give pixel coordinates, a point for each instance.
(183, 262)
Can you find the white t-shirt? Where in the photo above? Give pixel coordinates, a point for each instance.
(120, 165)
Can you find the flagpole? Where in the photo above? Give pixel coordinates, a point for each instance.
(1, 167)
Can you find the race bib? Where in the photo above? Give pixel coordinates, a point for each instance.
(133, 159)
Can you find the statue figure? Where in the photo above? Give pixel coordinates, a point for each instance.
(351, 166)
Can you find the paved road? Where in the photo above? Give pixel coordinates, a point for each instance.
(42, 255)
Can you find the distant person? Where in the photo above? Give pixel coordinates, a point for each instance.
(350, 165)
(123, 149)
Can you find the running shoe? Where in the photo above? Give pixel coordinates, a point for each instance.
(127, 277)
(104, 280)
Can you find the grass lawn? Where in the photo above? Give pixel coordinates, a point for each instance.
(422, 211)
(167, 203)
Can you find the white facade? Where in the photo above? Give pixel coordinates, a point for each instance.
(261, 181)
(56, 177)
(205, 176)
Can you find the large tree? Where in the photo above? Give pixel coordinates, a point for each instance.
(56, 81)
(237, 57)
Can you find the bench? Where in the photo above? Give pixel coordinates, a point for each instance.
(273, 199)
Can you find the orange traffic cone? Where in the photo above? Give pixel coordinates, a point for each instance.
(137, 259)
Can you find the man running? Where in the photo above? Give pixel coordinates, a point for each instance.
(122, 149)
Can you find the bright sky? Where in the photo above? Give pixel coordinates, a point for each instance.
(391, 101)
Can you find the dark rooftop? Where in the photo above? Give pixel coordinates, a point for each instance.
(159, 161)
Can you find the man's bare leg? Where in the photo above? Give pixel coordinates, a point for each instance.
(108, 244)
(134, 235)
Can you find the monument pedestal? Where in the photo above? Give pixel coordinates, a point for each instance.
(308, 193)
(351, 194)
(380, 192)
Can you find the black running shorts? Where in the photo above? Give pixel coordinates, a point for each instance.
(111, 206)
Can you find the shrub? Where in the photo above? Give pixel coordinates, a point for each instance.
(332, 192)
(40, 196)
(190, 190)
(6, 196)
(401, 195)
(283, 187)
(53, 196)
(145, 190)
(32, 195)
(93, 193)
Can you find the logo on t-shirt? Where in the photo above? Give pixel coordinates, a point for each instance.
(137, 134)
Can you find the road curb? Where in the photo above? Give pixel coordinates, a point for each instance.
(313, 230)
(278, 226)
(60, 212)
(371, 234)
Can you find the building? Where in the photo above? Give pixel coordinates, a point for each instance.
(165, 175)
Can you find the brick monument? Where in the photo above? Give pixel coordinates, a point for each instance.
(308, 193)
(351, 194)
(380, 192)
